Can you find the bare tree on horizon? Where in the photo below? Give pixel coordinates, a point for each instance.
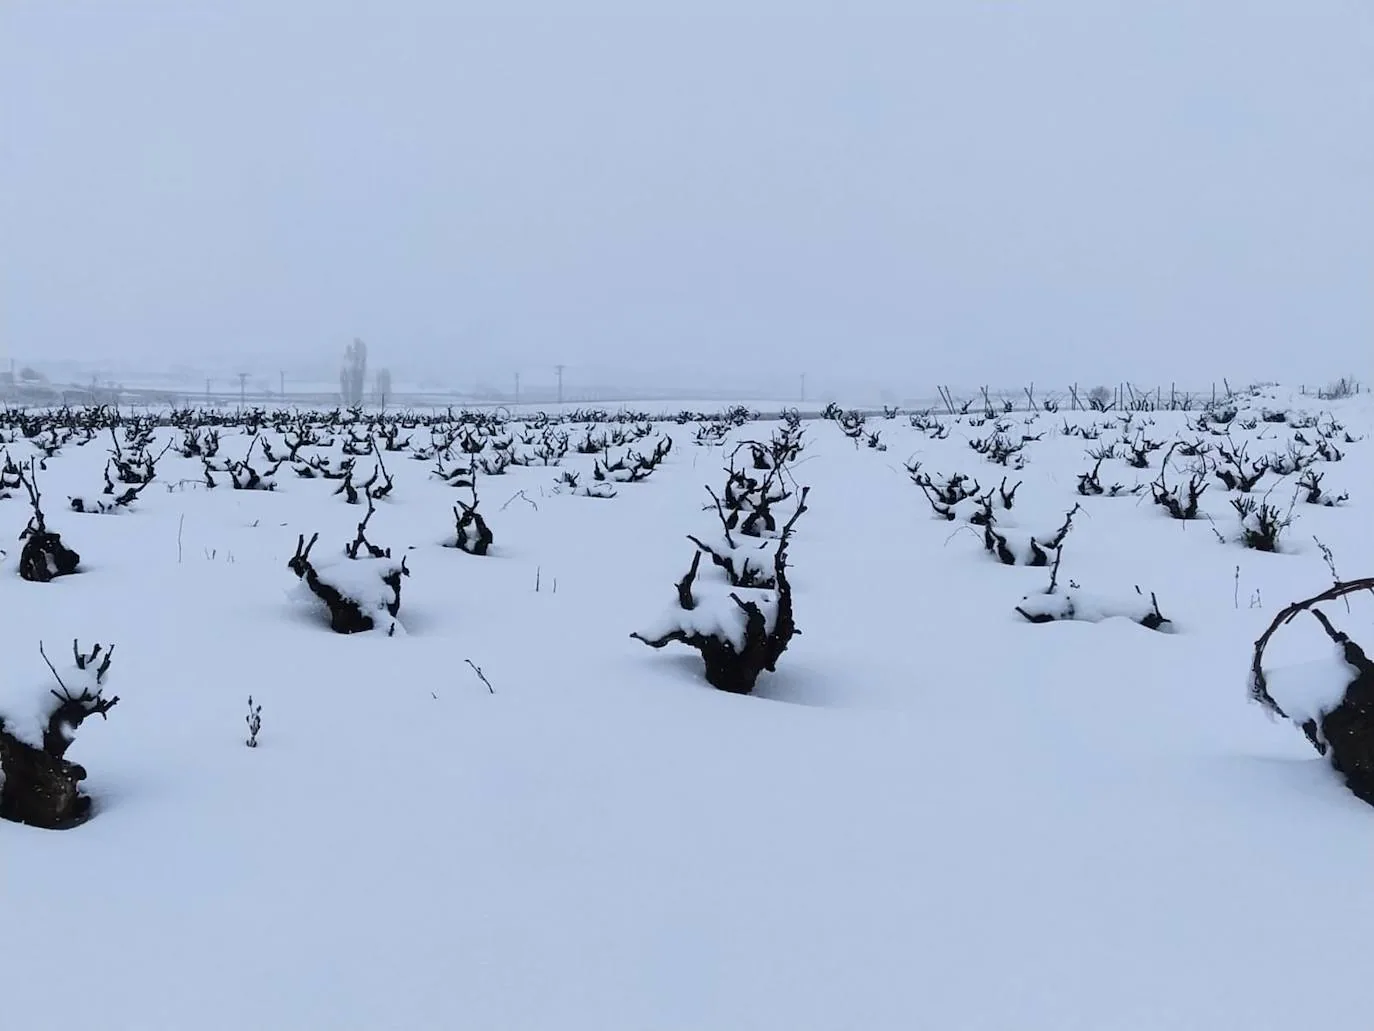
(353, 375)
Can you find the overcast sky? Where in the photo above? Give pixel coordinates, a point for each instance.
(965, 192)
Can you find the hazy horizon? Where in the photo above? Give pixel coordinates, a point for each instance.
(964, 192)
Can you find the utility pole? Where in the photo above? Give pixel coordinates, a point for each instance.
(207, 391)
(517, 388)
(243, 387)
(803, 388)
(282, 380)
(559, 369)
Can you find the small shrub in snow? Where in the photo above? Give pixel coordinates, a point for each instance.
(1290, 461)
(1139, 457)
(1310, 490)
(495, 464)
(390, 434)
(551, 449)
(138, 466)
(747, 503)
(1055, 604)
(568, 482)
(356, 443)
(454, 475)
(633, 466)
(782, 447)
(358, 589)
(351, 492)
(1261, 523)
(1327, 451)
(979, 510)
(1004, 499)
(115, 502)
(1195, 448)
(711, 433)
(948, 490)
(317, 467)
(1235, 469)
(380, 484)
(38, 786)
(1000, 449)
(1220, 414)
(243, 475)
(1090, 484)
(739, 618)
(1075, 604)
(591, 445)
(11, 476)
(930, 425)
(198, 442)
(1181, 500)
(1331, 701)
(1090, 432)
(254, 721)
(132, 488)
(99, 506)
(851, 423)
(44, 556)
(471, 533)
(1024, 549)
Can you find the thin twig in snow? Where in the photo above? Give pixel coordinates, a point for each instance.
(52, 667)
(480, 675)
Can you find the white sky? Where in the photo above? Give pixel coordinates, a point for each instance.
(967, 191)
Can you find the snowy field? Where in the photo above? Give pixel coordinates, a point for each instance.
(936, 813)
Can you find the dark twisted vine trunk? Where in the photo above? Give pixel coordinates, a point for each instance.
(1345, 733)
(1349, 728)
(39, 789)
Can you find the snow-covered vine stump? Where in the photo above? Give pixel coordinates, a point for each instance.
(38, 786)
(1072, 603)
(1332, 701)
(44, 556)
(739, 618)
(470, 531)
(360, 588)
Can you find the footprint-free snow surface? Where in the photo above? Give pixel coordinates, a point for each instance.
(935, 814)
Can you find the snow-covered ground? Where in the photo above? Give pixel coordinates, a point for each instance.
(936, 814)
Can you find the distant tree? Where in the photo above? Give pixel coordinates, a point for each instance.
(383, 385)
(31, 375)
(353, 375)
(1099, 397)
